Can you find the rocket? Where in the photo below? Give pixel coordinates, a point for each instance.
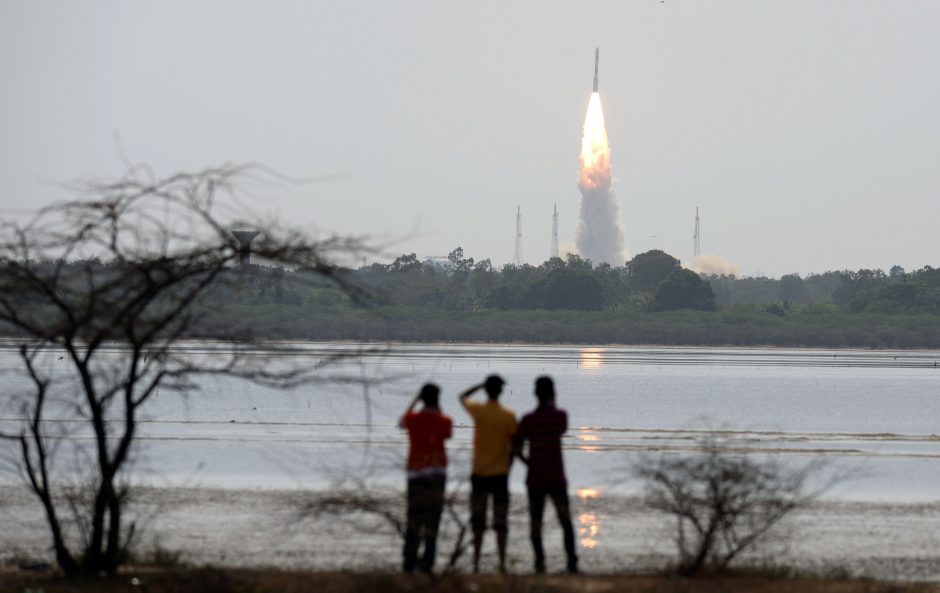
(597, 57)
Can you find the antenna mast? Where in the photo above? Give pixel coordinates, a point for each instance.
(518, 236)
(697, 248)
(555, 232)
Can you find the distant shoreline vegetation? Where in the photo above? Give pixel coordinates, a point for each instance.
(650, 300)
(729, 326)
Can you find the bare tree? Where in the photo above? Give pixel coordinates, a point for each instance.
(110, 284)
(723, 501)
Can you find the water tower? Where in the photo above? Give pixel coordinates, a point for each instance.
(245, 237)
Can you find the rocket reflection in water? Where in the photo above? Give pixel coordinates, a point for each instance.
(589, 525)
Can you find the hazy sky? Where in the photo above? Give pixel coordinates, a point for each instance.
(807, 131)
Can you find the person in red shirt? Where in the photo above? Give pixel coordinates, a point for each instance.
(427, 475)
(543, 428)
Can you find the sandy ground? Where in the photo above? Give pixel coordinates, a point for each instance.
(268, 528)
(278, 581)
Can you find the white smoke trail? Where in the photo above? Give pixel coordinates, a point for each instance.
(599, 237)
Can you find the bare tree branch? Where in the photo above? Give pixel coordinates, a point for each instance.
(126, 269)
(723, 503)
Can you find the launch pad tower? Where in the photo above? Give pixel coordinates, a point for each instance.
(554, 252)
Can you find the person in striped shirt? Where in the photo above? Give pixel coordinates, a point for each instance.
(542, 429)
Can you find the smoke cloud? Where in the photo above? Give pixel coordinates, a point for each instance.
(714, 265)
(567, 248)
(599, 236)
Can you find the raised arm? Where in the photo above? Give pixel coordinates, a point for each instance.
(411, 407)
(468, 392)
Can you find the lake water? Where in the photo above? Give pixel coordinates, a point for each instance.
(875, 413)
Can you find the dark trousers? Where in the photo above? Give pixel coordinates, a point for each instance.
(559, 498)
(425, 505)
(481, 489)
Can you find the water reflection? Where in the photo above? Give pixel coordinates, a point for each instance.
(585, 442)
(591, 358)
(588, 528)
(586, 493)
(589, 525)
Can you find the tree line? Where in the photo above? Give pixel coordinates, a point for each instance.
(653, 281)
(651, 299)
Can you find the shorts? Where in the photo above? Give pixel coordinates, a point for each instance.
(481, 488)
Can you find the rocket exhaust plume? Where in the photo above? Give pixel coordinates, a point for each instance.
(599, 237)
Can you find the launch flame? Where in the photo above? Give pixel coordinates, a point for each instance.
(595, 151)
(600, 237)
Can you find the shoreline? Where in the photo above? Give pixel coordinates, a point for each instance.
(7, 342)
(241, 528)
(183, 579)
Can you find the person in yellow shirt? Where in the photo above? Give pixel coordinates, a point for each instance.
(494, 427)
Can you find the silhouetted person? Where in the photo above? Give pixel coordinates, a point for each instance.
(494, 427)
(427, 475)
(542, 428)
